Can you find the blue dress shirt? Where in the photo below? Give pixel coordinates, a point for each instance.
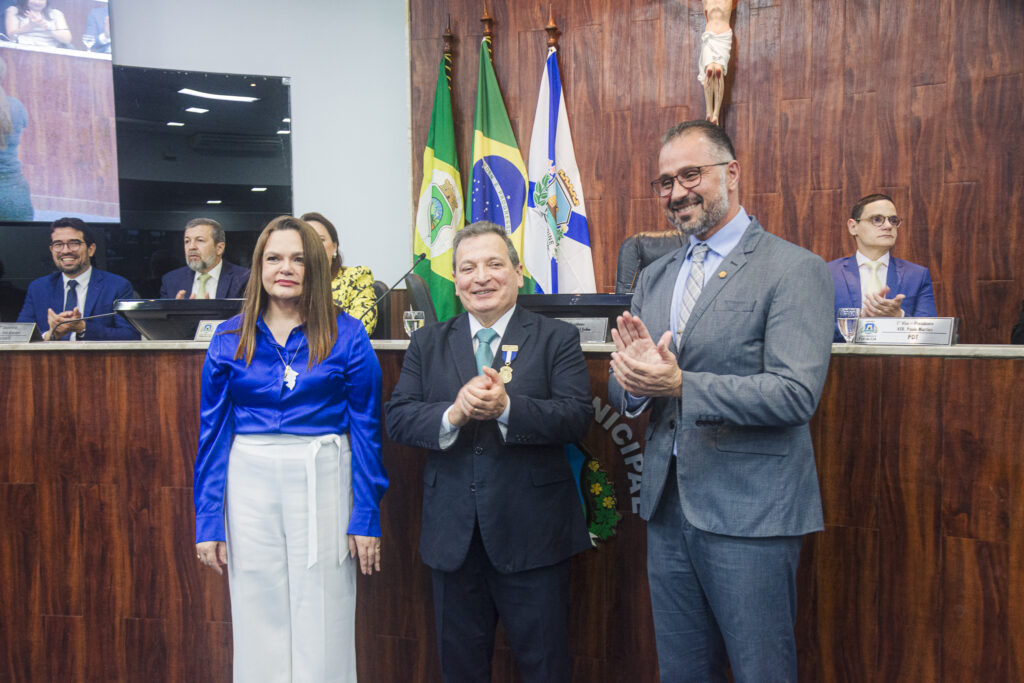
(337, 395)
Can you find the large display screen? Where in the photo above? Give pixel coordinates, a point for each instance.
(60, 156)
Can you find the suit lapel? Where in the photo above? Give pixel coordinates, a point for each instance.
(851, 276)
(223, 281)
(460, 348)
(731, 264)
(56, 293)
(658, 302)
(517, 333)
(95, 287)
(894, 278)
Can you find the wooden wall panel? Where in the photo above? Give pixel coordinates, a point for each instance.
(917, 97)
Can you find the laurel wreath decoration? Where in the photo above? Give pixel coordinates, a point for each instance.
(601, 501)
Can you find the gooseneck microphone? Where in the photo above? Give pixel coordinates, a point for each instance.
(88, 317)
(419, 258)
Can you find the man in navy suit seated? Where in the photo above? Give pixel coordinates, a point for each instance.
(880, 285)
(207, 275)
(57, 302)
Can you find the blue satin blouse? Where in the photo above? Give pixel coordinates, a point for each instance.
(338, 395)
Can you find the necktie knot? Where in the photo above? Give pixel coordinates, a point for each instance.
(73, 284)
(700, 251)
(484, 355)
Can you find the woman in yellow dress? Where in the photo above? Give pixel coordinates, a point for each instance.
(351, 286)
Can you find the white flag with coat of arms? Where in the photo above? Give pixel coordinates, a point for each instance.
(557, 241)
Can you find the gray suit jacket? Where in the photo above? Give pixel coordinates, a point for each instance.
(754, 356)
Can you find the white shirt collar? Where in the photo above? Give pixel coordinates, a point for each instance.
(864, 260)
(499, 325)
(82, 279)
(214, 272)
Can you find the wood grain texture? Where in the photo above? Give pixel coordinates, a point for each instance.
(918, 97)
(917, 576)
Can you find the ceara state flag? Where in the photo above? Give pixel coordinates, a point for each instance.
(440, 211)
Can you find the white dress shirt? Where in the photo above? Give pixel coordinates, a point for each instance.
(211, 284)
(449, 432)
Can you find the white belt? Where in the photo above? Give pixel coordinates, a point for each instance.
(311, 452)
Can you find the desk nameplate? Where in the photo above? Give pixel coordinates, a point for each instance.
(906, 331)
(19, 333)
(592, 330)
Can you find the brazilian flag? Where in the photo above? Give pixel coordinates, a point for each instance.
(497, 190)
(439, 213)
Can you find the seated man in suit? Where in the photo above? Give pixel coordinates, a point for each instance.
(501, 513)
(57, 302)
(207, 275)
(867, 278)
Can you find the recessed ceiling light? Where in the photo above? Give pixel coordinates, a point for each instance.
(213, 201)
(196, 110)
(284, 132)
(259, 189)
(175, 123)
(214, 96)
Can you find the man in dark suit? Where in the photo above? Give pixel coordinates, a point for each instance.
(728, 344)
(56, 303)
(207, 275)
(501, 512)
(868, 278)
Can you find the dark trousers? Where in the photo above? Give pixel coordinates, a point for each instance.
(533, 606)
(720, 600)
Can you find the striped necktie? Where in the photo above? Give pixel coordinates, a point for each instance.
(694, 283)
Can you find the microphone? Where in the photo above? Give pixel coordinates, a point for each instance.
(419, 258)
(88, 317)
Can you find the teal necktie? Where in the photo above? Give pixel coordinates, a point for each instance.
(484, 355)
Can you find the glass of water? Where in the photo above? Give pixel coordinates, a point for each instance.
(88, 41)
(846, 320)
(412, 321)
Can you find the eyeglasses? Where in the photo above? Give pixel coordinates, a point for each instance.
(73, 245)
(689, 178)
(879, 221)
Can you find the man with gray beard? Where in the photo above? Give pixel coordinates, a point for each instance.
(727, 343)
(207, 275)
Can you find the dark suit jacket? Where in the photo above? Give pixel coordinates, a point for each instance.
(903, 277)
(231, 284)
(519, 489)
(104, 289)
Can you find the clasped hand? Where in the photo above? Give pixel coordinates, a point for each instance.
(64, 320)
(641, 367)
(877, 306)
(481, 398)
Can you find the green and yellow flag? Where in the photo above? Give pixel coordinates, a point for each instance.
(497, 190)
(440, 212)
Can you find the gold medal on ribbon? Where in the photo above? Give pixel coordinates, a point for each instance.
(505, 373)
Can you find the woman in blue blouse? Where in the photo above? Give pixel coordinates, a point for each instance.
(289, 461)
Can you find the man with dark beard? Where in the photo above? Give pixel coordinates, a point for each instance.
(56, 303)
(206, 275)
(728, 343)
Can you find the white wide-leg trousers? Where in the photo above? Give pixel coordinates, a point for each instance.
(292, 583)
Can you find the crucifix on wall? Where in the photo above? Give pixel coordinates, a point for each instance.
(715, 48)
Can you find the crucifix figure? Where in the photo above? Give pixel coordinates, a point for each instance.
(715, 47)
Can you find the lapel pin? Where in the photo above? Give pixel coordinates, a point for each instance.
(722, 274)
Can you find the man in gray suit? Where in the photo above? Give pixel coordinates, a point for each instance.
(728, 345)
